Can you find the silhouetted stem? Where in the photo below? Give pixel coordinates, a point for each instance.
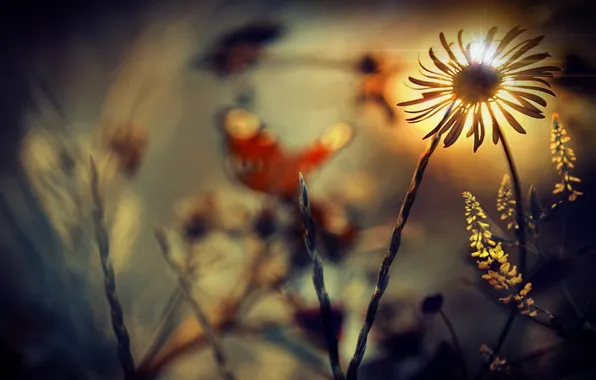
(563, 283)
(103, 245)
(519, 207)
(456, 343)
(394, 244)
(319, 283)
(521, 237)
(383, 278)
(186, 287)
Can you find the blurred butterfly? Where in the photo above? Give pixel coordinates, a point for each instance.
(261, 163)
(241, 48)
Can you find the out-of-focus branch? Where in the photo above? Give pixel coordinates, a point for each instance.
(209, 332)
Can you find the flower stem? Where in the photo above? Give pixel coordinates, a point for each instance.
(383, 278)
(521, 238)
(519, 207)
(319, 283)
(103, 244)
(502, 338)
(456, 343)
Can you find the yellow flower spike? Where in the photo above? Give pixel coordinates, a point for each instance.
(563, 158)
(506, 278)
(506, 203)
(527, 288)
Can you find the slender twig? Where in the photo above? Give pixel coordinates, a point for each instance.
(456, 342)
(383, 277)
(186, 287)
(103, 244)
(319, 283)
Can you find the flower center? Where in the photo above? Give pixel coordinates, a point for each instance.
(477, 83)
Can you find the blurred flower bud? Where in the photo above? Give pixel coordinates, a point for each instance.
(432, 304)
(265, 224)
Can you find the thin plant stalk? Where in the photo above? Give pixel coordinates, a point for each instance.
(521, 237)
(456, 343)
(501, 341)
(165, 326)
(563, 283)
(103, 245)
(319, 283)
(519, 207)
(383, 277)
(186, 288)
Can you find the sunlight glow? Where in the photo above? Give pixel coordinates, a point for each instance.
(489, 58)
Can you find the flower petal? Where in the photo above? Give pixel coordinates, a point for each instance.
(533, 88)
(510, 36)
(430, 112)
(440, 65)
(511, 120)
(530, 60)
(544, 71)
(478, 140)
(429, 108)
(487, 42)
(496, 126)
(535, 98)
(444, 76)
(477, 128)
(448, 118)
(428, 83)
(527, 78)
(526, 104)
(412, 102)
(447, 48)
(523, 47)
(461, 46)
(456, 130)
(521, 109)
(456, 114)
